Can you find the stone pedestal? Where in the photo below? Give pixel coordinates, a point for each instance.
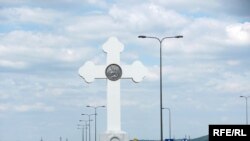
(114, 136)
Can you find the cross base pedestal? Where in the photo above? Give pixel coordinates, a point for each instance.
(114, 136)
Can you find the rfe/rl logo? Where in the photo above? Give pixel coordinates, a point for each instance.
(229, 132)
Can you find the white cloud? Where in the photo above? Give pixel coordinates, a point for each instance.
(27, 107)
(102, 3)
(203, 35)
(212, 8)
(74, 54)
(92, 27)
(33, 107)
(34, 40)
(20, 49)
(146, 16)
(4, 96)
(153, 73)
(232, 87)
(232, 83)
(4, 107)
(13, 64)
(129, 103)
(239, 33)
(96, 100)
(12, 1)
(233, 62)
(191, 4)
(121, 20)
(27, 14)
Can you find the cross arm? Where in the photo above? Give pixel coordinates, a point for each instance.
(137, 71)
(89, 71)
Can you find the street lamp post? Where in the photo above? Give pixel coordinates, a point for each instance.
(82, 131)
(169, 121)
(86, 128)
(89, 124)
(95, 107)
(246, 108)
(160, 41)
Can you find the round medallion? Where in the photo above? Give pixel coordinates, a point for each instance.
(113, 72)
(115, 139)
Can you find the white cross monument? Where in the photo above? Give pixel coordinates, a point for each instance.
(113, 72)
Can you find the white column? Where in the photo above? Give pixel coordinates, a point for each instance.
(113, 106)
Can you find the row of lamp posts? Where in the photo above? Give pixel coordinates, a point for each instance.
(87, 124)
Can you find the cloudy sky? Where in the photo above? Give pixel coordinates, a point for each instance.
(43, 43)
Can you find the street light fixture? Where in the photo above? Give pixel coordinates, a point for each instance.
(160, 41)
(169, 121)
(95, 107)
(246, 108)
(89, 124)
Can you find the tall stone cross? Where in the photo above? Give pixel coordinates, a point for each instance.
(113, 72)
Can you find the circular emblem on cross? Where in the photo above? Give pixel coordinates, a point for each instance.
(113, 72)
(114, 139)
